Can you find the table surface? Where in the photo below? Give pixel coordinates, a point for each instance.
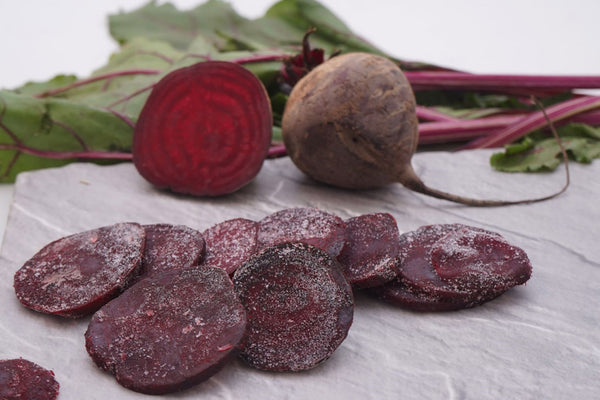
(537, 341)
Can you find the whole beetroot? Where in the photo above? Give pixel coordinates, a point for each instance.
(351, 122)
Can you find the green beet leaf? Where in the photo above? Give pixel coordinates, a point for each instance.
(538, 152)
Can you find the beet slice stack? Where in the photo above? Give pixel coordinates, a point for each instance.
(205, 129)
(453, 266)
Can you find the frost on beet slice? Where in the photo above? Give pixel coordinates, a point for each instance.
(479, 261)
(169, 332)
(75, 275)
(230, 243)
(370, 253)
(397, 293)
(170, 247)
(25, 380)
(299, 305)
(307, 225)
(453, 266)
(416, 271)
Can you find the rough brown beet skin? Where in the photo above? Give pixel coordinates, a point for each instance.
(168, 332)
(299, 305)
(351, 122)
(75, 275)
(24, 380)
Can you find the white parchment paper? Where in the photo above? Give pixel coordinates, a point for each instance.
(537, 341)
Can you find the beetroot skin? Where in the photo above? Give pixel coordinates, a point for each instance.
(205, 130)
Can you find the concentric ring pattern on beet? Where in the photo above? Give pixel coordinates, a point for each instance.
(299, 305)
(204, 130)
(453, 266)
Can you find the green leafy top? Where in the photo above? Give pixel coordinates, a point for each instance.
(538, 152)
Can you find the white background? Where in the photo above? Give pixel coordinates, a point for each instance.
(41, 38)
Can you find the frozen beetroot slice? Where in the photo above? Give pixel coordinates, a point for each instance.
(397, 293)
(170, 247)
(453, 266)
(168, 332)
(205, 130)
(299, 307)
(416, 271)
(479, 261)
(75, 275)
(370, 253)
(307, 225)
(24, 380)
(230, 243)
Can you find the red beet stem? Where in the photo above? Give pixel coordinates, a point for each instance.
(536, 120)
(430, 114)
(466, 81)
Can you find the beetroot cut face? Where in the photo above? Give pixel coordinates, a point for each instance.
(205, 130)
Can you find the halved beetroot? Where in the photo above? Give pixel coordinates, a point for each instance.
(299, 307)
(77, 274)
(168, 332)
(370, 253)
(25, 380)
(205, 130)
(303, 224)
(230, 243)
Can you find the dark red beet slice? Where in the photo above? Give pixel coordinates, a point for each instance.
(307, 225)
(24, 380)
(481, 261)
(370, 254)
(230, 243)
(205, 130)
(416, 271)
(168, 332)
(170, 247)
(75, 275)
(397, 293)
(476, 266)
(299, 305)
